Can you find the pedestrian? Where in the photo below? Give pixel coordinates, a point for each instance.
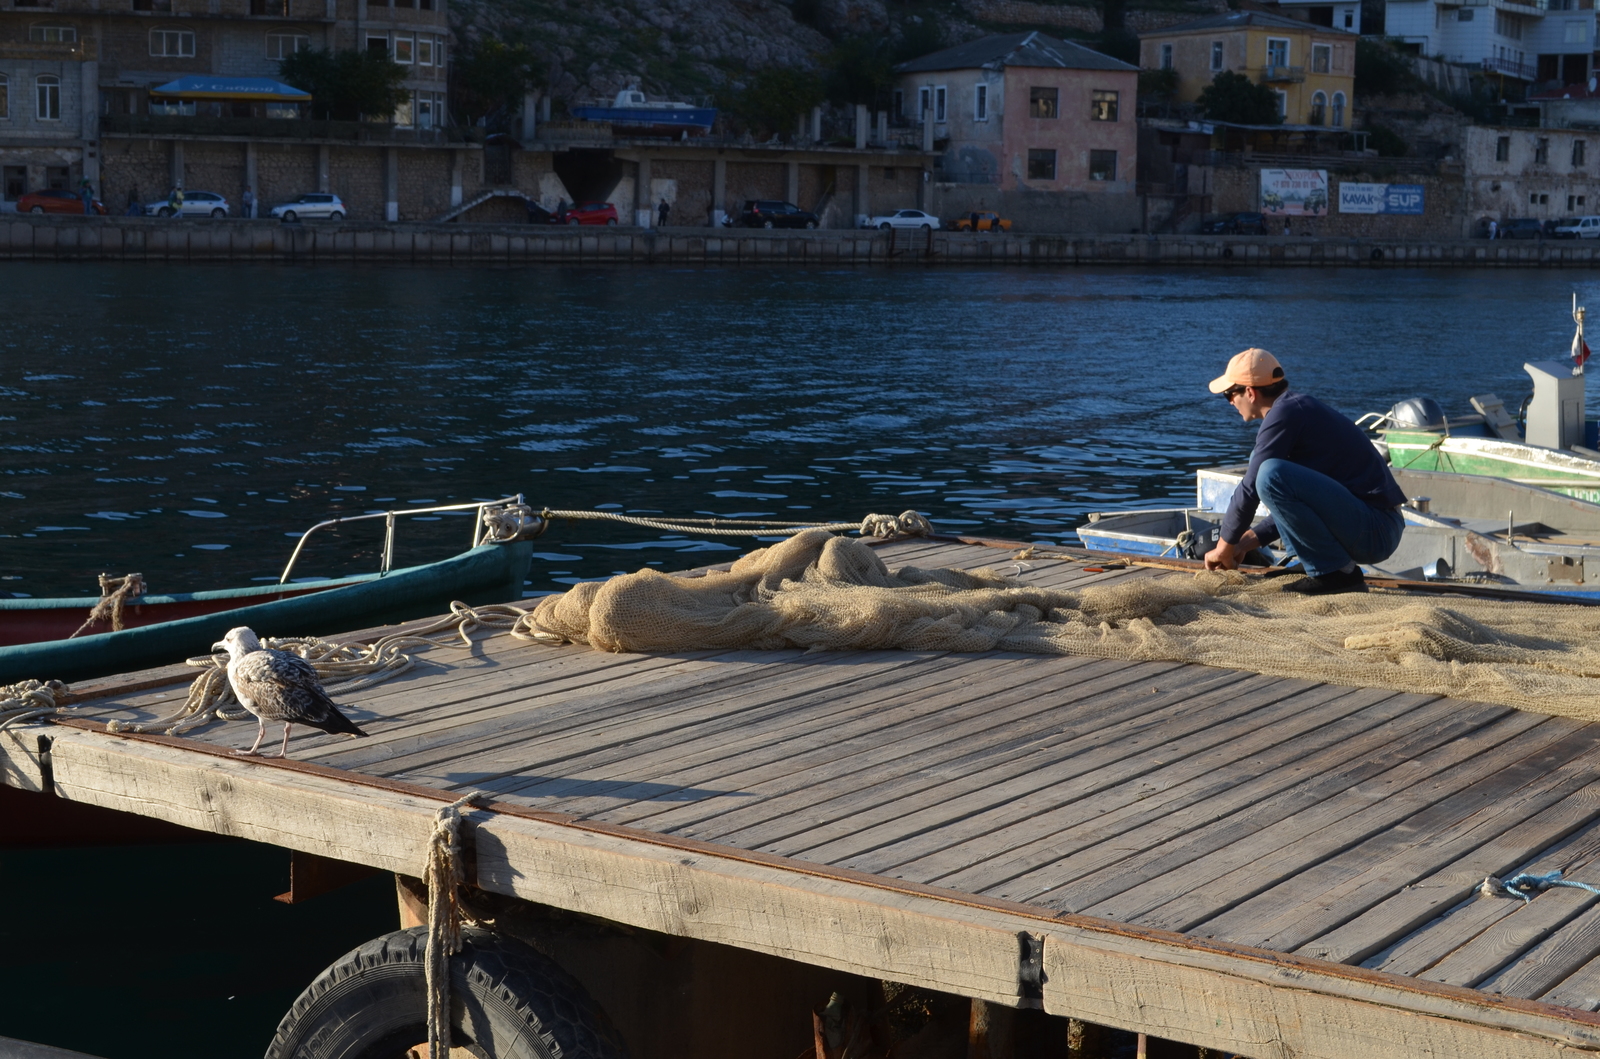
(1494, 228)
(1332, 498)
(1286, 226)
(175, 202)
(662, 212)
(86, 193)
(247, 204)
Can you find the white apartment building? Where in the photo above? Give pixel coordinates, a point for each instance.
(1538, 41)
(1345, 15)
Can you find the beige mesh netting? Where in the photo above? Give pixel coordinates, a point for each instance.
(820, 591)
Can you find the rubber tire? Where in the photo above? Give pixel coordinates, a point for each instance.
(519, 1004)
(335, 216)
(611, 222)
(766, 224)
(885, 226)
(927, 227)
(37, 209)
(574, 221)
(163, 212)
(810, 225)
(288, 216)
(219, 213)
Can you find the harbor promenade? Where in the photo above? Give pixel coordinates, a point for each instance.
(44, 238)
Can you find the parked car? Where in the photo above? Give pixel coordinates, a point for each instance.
(770, 213)
(986, 222)
(1236, 224)
(589, 213)
(1522, 228)
(55, 200)
(195, 204)
(316, 204)
(1578, 228)
(903, 219)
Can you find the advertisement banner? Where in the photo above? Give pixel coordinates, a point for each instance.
(1294, 192)
(1381, 198)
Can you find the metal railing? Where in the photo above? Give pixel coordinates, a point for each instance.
(389, 518)
(282, 128)
(1274, 73)
(1510, 67)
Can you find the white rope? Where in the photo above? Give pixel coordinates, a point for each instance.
(908, 523)
(444, 877)
(28, 700)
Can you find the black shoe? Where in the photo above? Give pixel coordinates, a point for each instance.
(1328, 584)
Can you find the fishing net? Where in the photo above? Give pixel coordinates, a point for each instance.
(819, 591)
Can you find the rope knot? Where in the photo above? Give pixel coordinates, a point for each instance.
(444, 876)
(29, 700)
(905, 524)
(115, 592)
(513, 522)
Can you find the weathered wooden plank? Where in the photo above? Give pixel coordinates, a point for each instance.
(1552, 962)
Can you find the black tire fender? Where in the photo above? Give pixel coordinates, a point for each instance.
(507, 1001)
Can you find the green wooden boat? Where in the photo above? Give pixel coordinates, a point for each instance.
(1562, 471)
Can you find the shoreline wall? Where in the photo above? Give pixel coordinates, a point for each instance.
(46, 238)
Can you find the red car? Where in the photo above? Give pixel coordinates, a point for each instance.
(589, 213)
(52, 200)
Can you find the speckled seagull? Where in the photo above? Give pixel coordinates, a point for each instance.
(278, 686)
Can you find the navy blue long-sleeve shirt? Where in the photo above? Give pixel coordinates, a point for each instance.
(1301, 429)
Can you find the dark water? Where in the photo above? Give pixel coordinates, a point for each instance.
(185, 422)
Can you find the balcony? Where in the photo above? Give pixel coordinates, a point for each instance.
(1282, 74)
(183, 127)
(1509, 67)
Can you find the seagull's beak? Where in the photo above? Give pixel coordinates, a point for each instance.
(219, 646)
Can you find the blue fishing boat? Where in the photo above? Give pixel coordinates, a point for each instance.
(632, 113)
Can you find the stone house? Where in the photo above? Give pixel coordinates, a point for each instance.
(1520, 172)
(44, 124)
(1311, 68)
(1035, 127)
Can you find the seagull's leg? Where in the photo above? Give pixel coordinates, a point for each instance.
(284, 752)
(261, 733)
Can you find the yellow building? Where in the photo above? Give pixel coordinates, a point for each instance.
(1310, 67)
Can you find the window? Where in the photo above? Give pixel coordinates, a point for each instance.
(924, 103)
(1102, 105)
(897, 109)
(1579, 149)
(1277, 51)
(5, 98)
(53, 34)
(1574, 202)
(1464, 15)
(378, 46)
(48, 89)
(1349, 19)
(429, 113)
(980, 103)
(402, 115)
(1102, 165)
(173, 43)
(1507, 26)
(1166, 56)
(1283, 104)
(1319, 109)
(283, 45)
(1502, 149)
(277, 8)
(404, 50)
(425, 58)
(16, 182)
(1576, 32)
(1337, 119)
(1539, 199)
(1044, 102)
(1541, 150)
(1216, 55)
(1041, 164)
(939, 104)
(1321, 58)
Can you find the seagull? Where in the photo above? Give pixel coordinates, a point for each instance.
(278, 686)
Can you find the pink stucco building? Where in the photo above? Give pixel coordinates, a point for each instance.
(1030, 125)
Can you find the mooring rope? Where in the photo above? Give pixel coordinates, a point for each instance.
(29, 700)
(907, 523)
(444, 876)
(1526, 884)
(110, 606)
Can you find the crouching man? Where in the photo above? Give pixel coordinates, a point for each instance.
(1331, 495)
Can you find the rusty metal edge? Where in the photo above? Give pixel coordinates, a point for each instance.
(1266, 957)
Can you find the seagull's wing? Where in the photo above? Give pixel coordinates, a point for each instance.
(283, 687)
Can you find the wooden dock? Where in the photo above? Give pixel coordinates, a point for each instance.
(1264, 866)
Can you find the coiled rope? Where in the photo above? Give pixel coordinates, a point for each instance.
(444, 875)
(29, 700)
(1526, 884)
(907, 523)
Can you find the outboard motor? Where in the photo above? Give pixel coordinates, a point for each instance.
(1417, 413)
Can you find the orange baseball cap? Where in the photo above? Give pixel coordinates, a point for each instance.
(1253, 367)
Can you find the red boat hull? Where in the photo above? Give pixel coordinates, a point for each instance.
(58, 623)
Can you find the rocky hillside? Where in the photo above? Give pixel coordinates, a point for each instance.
(695, 49)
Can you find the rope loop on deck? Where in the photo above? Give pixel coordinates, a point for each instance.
(910, 523)
(29, 700)
(1525, 885)
(444, 876)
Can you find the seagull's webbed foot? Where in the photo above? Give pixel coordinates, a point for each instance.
(282, 751)
(255, 747)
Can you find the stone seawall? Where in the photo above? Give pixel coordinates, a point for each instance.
(137, 239)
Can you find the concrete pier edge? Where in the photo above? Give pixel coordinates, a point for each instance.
(59, 238)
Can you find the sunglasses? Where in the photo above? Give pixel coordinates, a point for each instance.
(1231, 392)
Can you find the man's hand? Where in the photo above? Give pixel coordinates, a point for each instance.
(1226, 556)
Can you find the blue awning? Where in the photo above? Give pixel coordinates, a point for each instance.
(201, 87)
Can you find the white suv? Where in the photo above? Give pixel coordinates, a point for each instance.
(316, 204)
(1579, 228)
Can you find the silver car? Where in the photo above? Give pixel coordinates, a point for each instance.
(317, 204)
(903, 219)
(195, 204)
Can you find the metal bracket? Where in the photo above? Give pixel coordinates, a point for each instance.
(1030, 969)
(1565, 568)
(47, 766)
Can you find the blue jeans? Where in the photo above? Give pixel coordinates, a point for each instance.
(1324, 523)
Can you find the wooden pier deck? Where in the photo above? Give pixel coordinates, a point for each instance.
(1266, 866)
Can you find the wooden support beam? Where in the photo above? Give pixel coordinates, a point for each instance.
(312, 876)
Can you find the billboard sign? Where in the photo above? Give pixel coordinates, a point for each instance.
(1294, 192)
(1381, 198)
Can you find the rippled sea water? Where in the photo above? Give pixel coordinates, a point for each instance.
(187, 422)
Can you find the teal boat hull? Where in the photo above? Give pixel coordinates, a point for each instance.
(490, 573)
